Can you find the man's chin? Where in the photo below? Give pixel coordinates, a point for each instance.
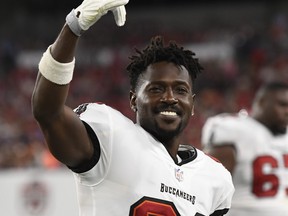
(279, 130)
(167, 133)
(283, 130)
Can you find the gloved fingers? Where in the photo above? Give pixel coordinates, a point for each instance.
(110, 4)
(119, 15)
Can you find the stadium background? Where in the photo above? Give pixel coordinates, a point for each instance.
(240, 43)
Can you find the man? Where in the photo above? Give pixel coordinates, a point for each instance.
(124, 168)
(255, 150)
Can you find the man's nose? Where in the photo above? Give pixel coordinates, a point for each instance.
(169, 97)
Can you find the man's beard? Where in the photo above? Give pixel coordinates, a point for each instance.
(279, 130)
(165, 136)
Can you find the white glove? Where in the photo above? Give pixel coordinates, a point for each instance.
(90, 11)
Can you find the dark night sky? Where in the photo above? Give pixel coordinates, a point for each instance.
(42, 6)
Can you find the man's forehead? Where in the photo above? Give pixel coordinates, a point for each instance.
(164, 71)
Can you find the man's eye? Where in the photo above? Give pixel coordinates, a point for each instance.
(156, 89)
(182, 90)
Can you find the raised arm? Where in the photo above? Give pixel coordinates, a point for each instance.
(64, 132)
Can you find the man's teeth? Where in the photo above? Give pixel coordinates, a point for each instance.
(169, 113)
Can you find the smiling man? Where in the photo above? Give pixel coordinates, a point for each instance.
(163, 99)
(121, 167)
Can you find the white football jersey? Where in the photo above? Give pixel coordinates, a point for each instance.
(136, 176)
(261, 173)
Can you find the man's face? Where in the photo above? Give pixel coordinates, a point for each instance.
(163, 100)
(275, 107)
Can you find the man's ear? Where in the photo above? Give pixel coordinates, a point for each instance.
(133, 100)
(193, 101)
(192, 112)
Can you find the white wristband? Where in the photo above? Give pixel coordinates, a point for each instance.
(54, 71)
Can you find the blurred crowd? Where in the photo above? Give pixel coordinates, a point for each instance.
(227, 85)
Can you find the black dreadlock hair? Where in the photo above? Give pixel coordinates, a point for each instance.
(155, 52)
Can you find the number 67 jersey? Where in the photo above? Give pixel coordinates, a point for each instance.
(260, 175)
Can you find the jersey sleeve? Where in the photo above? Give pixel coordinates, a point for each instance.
(225, 192)
(225, 203)
(221, 189)
(222, 129)
(104, 121)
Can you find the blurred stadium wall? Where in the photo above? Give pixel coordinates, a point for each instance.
(241, 45)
